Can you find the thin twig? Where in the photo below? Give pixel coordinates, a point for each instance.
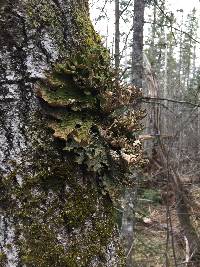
(170, 100)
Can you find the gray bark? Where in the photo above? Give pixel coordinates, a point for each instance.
(137, 51)
(117, 35)
(34, 35)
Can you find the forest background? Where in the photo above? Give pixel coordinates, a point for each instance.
(170, 86)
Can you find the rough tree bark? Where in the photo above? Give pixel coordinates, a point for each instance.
(137, 51)
(128, 224)
(117, 35)
(51, 211)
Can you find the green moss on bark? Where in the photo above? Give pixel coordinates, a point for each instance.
(53, 205)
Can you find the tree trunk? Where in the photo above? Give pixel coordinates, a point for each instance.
(117, 35)
(128, 223)
(52, 210)
(137, 52)
(180, 54)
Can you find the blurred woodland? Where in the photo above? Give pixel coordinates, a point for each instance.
(156, 48)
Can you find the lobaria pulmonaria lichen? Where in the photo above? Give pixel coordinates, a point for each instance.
(97, 119)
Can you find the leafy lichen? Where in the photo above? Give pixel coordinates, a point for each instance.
(98, 121)
(73, 127)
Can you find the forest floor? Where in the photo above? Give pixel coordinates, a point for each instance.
(159, 241)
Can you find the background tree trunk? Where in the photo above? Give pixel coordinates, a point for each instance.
(52, 213)
(137, 52)
(117, 35)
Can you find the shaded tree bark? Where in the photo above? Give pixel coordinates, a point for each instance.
(137, 50)
(130, 199)
(47, 218)
(117, 35)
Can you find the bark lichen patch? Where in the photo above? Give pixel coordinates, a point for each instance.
(58, 221)
(98, 120)
(43, 12)
(60, 89)
(75, 128)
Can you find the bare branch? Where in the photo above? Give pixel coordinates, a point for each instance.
(170, 100)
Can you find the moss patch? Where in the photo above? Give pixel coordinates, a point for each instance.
(59, 222)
